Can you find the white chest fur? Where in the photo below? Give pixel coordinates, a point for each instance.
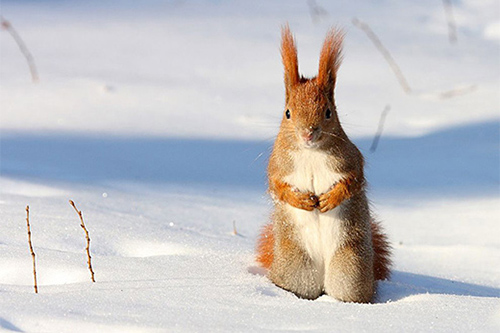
(320, 233)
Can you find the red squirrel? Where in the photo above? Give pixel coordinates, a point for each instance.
(322, 238)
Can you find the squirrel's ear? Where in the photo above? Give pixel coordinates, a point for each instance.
(330, 59)
(289, 57)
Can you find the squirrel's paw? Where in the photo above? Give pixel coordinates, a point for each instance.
(327, 201)
(303, 200)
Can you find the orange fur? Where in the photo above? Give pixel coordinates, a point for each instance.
(330, 59)
(289, 57)
(343, 190)
(265, 246)
(302, 200)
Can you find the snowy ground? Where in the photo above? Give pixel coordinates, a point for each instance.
(157, 117)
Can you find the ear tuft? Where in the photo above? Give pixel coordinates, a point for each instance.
(330, 59)
(289, 57)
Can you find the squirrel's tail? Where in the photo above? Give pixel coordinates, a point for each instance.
(265, 246)
(382, 252)
(381, 247)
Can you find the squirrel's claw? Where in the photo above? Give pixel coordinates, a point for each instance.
(327, 202)
(303, 200)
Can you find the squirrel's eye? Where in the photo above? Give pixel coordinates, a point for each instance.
(287, 114)
(328, 114)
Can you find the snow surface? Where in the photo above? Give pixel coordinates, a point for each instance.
(157, 117)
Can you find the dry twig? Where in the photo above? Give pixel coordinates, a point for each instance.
(88, 239)
(6, 25)
(235, 233)
(388, 57)
(397, 71)
(316, 11)
(31, 247)
(452, 27)
(457, 91)
(380, 128)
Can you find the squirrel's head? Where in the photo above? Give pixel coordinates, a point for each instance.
(310, 117)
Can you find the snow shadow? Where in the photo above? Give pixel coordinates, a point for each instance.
(144, 160)
(8, 326)
(457, 161)
(402, 285)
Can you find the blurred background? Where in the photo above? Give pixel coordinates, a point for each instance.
(212, 69)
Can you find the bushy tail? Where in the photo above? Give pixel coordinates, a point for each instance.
(381, 247)
(265, 246)
(382, 253)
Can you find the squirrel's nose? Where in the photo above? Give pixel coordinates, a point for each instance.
(309, 133)
(307, 136)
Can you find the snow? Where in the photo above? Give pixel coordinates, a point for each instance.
(157, 117)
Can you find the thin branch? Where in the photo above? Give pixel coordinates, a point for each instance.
(380, 128)
(6, 25)
(388, 57)
(31, 248)
(88, 239)
(397, 71)
(235, 233)
(457, 92)
(452, 26)
(316, 11)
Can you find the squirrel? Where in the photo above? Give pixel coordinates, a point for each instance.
(322, 238)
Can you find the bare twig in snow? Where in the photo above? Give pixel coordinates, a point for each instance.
(399, 74)
(457, 92)
(31, 247)
(446, 94)
(380, 128)
(234, 229)
(6, 25)
(88, 239)
(316, 11)
(452, 27)
(388, 57)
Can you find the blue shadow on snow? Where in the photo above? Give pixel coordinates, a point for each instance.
(402, 285)
(457, 161)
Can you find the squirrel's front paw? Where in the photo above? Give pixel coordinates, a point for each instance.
(327, 201)
(303, 200)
